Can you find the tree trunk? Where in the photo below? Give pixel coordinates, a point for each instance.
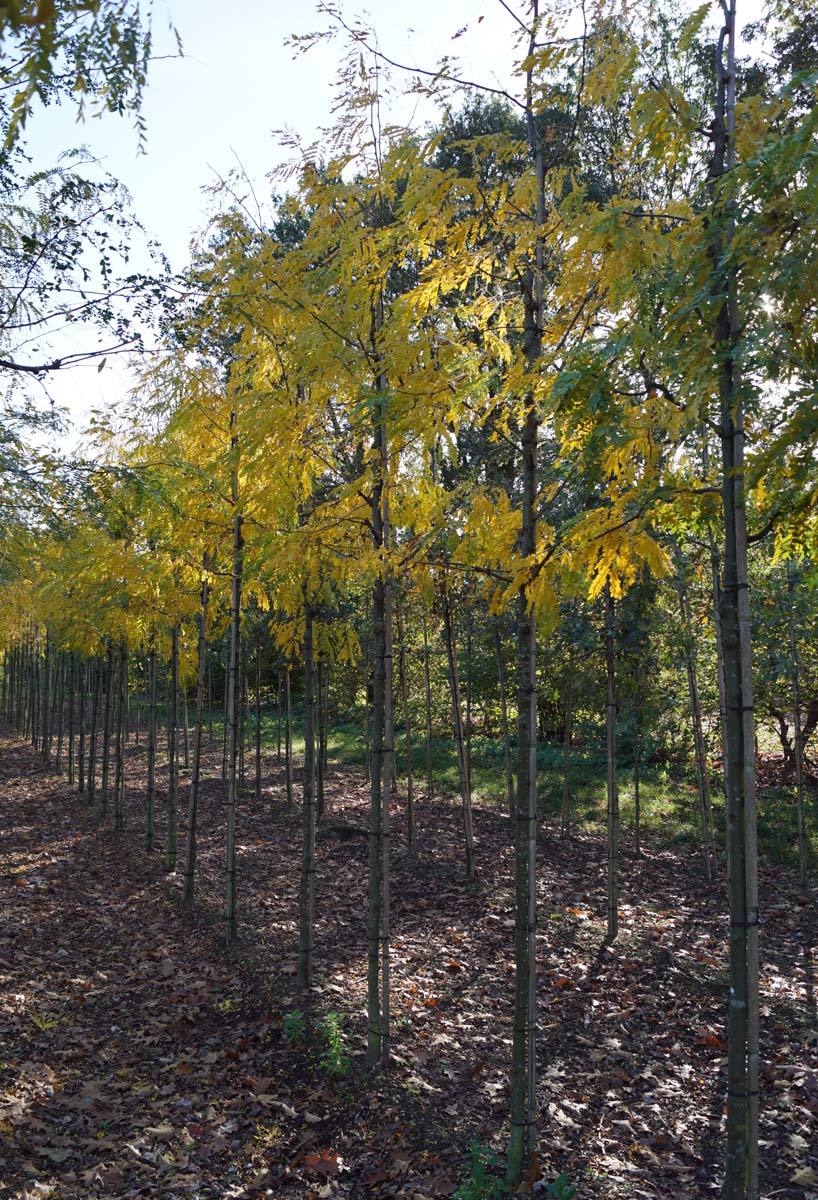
(82, 679)
(288, 737)
(803, 849)
(279, 695)
(469, 691)
(427, 687)
(61, 670)
(702, 780)
(193, 798)
(501, 681)
(258, 720)
(522, 1150)
(173, 755)
(233, 698)
(637, 767)
(457, 716)
(108, 724)
(306, 904)
(92, 745)
(741, 1158)
(151, 797)
(407, 724)
(319, 757)
(47, 702)
(565, 821)
(121, 728)
(72, 690)
(613, 783)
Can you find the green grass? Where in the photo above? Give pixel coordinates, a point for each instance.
(668, 795)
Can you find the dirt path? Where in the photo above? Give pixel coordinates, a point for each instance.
(139, 1059)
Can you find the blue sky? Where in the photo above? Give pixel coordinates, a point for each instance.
(216, 109)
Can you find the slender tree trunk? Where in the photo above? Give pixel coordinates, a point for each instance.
(288, 737)
(613, 784)
(457, 715)
(319, 758)
(469, 690)
(151, 798)
(233, 699)
(367, 716)
(378, 930)
(72, 690)
(92, 745)
(61, 669)
(121, 730)
(47, 703)
(803, 848)
(185, 725)
(741, 1158)
(501, 682)
(258, 720)
(702, 780)
(193, 798)
(279, 694)
(306, 906)
(388, 761)
(108, 726)
(637, 766)
(225, 726)
(407, 724)
(427, 687)
(139, 671)
(173, 752)
(82, 673)
(242, 715)
(566, 754)
(522, 1149)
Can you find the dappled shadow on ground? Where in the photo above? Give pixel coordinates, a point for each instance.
(142, 1058)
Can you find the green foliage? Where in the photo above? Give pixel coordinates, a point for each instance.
(334, 1058)
(483, 1182)
(294, 1027)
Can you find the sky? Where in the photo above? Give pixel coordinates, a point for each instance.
(216, 108)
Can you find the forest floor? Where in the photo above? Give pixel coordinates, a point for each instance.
(139, 1058)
